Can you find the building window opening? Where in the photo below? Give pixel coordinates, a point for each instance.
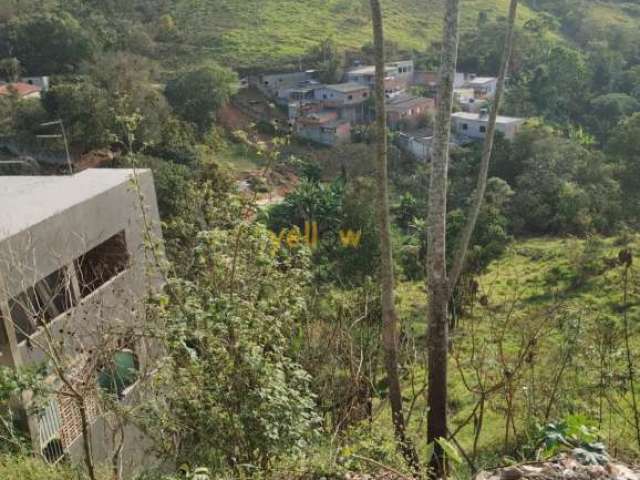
(119, 374)
(483, 129)
(465, 126)
(49, 426)
(102, 263)
(42, 303)
(53, 451)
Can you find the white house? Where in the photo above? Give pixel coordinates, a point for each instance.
(475, 125)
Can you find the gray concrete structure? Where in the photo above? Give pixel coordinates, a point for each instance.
(475, 125)
(74, 276)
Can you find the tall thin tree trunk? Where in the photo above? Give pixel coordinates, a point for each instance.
(441, 284)
(389, 315)
(481, 187)
(438, 286)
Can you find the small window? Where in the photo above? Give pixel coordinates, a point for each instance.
(350, 97)
(102, 263)
(483, 129)
(465, 126)
(53, 451)
(120, 374)
(49, 427)
(365, 95)
(324, 96)
(39, 305)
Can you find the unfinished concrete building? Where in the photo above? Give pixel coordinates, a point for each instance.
(74, 278)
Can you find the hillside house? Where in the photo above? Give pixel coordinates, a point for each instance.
(73, 270)
(278, 84)
(466, 98)
(482, 86)
(398, 75)
(431, 79)
(474, 125)
(406, 111)
(417, 144)
(43, 82)
(325, 128)
(348, 99)
(24, 91)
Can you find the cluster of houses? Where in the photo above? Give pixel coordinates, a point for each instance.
(326, 114)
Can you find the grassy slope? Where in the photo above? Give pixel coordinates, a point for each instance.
(533, 276)
(254, 32)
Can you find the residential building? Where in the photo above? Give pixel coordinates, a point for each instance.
(417, 144)
(348, 99)
(475, 125)
(482, 86)
(23, 90)
(277, 84)
(406, 111)
(431, 79)
(325, 128)
(42, 82)
(398, 75)
(466, 98)
(73, 281)
(366, 75)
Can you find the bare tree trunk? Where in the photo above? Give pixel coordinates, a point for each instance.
(86, 437)
(478, 198)
(438, 286)
(389, 315)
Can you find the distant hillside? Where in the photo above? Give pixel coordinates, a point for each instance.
(263, 32)
(268, 33)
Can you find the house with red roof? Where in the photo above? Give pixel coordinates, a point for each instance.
(22, 90)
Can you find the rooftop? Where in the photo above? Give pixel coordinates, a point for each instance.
(477, 117)
(26, 201)
(370, 70)
(347, 87)
(22, 89)
(481, 80)
(404, 102)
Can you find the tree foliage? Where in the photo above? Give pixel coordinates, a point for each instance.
(197, 94)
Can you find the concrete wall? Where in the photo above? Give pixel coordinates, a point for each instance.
(329, 136)
(118, 305)
(475, 127)
(273, 84)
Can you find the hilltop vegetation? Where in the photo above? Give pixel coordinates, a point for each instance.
(274, 360)
(253, 33)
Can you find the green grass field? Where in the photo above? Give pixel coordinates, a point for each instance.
(254, 32)
(568, 294)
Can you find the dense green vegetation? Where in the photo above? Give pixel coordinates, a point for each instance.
(274, 363)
